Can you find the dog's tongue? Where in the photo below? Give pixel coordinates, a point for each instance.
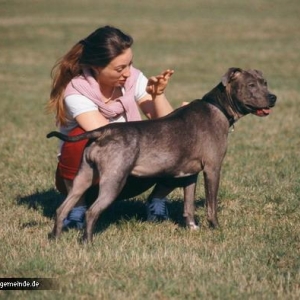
(263, 112)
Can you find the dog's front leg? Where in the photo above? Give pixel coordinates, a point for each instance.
(211, 181)
(189, 205)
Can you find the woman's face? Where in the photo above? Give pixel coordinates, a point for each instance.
(117, 71)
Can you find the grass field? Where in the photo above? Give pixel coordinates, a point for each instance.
(256, 253)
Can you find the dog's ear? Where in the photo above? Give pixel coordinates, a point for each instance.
(230, 75)
(260, 73)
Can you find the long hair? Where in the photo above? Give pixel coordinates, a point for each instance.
(96, 50)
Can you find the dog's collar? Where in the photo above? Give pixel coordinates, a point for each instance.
(217, 105)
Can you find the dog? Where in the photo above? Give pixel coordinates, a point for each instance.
(191, 139)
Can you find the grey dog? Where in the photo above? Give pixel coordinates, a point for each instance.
(189, 140)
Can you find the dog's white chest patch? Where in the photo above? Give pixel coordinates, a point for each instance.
(141, 171)
(183, 174)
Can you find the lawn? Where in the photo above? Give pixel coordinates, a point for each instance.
(255, 254)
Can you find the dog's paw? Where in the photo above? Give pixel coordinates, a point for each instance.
(193, 226)
(51, 236)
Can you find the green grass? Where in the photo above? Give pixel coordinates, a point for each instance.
(256, 253)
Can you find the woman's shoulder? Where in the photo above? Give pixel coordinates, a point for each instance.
(136, 74)
(77, 104)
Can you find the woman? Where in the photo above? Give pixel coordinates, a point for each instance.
(95, 84)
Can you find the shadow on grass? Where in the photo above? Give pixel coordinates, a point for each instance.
(47, 202)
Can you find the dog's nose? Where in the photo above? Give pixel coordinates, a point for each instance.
(272, 99)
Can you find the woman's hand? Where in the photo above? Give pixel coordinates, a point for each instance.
(157, 84)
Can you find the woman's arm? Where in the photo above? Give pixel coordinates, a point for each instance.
(85, 112)
(91, 120)
(155, 104)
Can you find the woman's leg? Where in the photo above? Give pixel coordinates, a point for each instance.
(156, 204)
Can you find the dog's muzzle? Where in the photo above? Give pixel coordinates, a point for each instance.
(263, 112)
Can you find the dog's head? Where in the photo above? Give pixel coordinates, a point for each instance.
(249, 92)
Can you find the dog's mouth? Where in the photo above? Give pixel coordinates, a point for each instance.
(264, 111)
(260, 112)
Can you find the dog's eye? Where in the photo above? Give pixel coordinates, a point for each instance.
(251, 84)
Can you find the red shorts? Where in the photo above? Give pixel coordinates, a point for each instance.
(69, 160)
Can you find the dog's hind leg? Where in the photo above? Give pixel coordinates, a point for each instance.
(110, 185)
(81, 183)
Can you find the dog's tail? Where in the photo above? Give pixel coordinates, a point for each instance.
(86, 135)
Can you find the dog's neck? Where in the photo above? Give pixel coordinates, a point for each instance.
(217, 103)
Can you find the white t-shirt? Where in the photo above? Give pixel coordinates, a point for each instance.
(78, 104)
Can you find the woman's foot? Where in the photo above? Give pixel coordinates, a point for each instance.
(157, 210)
(75, 218)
